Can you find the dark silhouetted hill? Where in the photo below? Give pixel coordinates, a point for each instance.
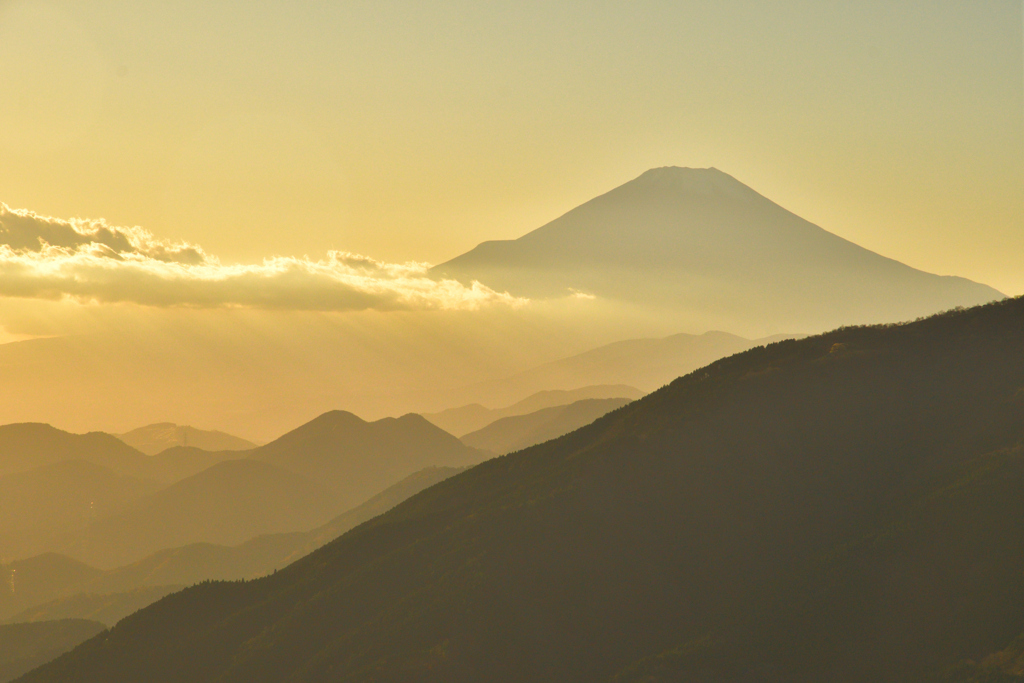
(357, 459)
(154, 438)
(522, 431)
(469, 418)
(700, 246)
(844, 507)
(23, 647)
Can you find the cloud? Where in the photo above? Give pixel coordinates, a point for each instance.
(88, 260)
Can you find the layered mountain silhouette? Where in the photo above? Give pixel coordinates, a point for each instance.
(645, 363)
(53, 586)
(843, 507)
(104, 608)
(29, 445)
(38, 504)
(357, 459)
(158, 437)
(28, 582)
(469, 418)
(522, 431)
(101, 501)
(228, 503)
(700, 246)
(23, 647)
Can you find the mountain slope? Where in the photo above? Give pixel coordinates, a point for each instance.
(844, 507)
(522, 431)
(38, 579)
(105, 608)
(227, 504)
(39, 503)
(155, 438)
(698, 245)
(646, 363)
(357, 459)
(29, 445)
(469, 418)
(23, 647)
(53, 586)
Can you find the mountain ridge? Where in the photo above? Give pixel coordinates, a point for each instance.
(702, 532)
(153, 438)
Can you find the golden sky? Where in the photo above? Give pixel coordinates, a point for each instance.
(414, 130)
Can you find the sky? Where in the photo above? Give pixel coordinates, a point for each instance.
(411, 131)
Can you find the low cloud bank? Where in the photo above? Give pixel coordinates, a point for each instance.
(88, 260)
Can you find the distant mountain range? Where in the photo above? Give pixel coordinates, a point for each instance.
(56, 587)
(700, 247)
(228, 503)
(469, 418)
(155, 438)
(357, 459)
(841, 507)
(522, 431)
(645, 363)
(30, 445)
(60, 498)
(94, 498)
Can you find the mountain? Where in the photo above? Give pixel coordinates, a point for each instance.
(226, 504)
(155, 438)
(37, 504)
(23, 647)
(522, 431)
(53, 586)
(844, 507)
(469, 418)
(104, 608)
(357, 459)
(24, 583)
(646, 363)
(699, 246)
(29, 445)
(260, 555)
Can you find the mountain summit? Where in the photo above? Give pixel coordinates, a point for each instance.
(702, 247)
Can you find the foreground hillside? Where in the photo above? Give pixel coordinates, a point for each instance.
(844, 507)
